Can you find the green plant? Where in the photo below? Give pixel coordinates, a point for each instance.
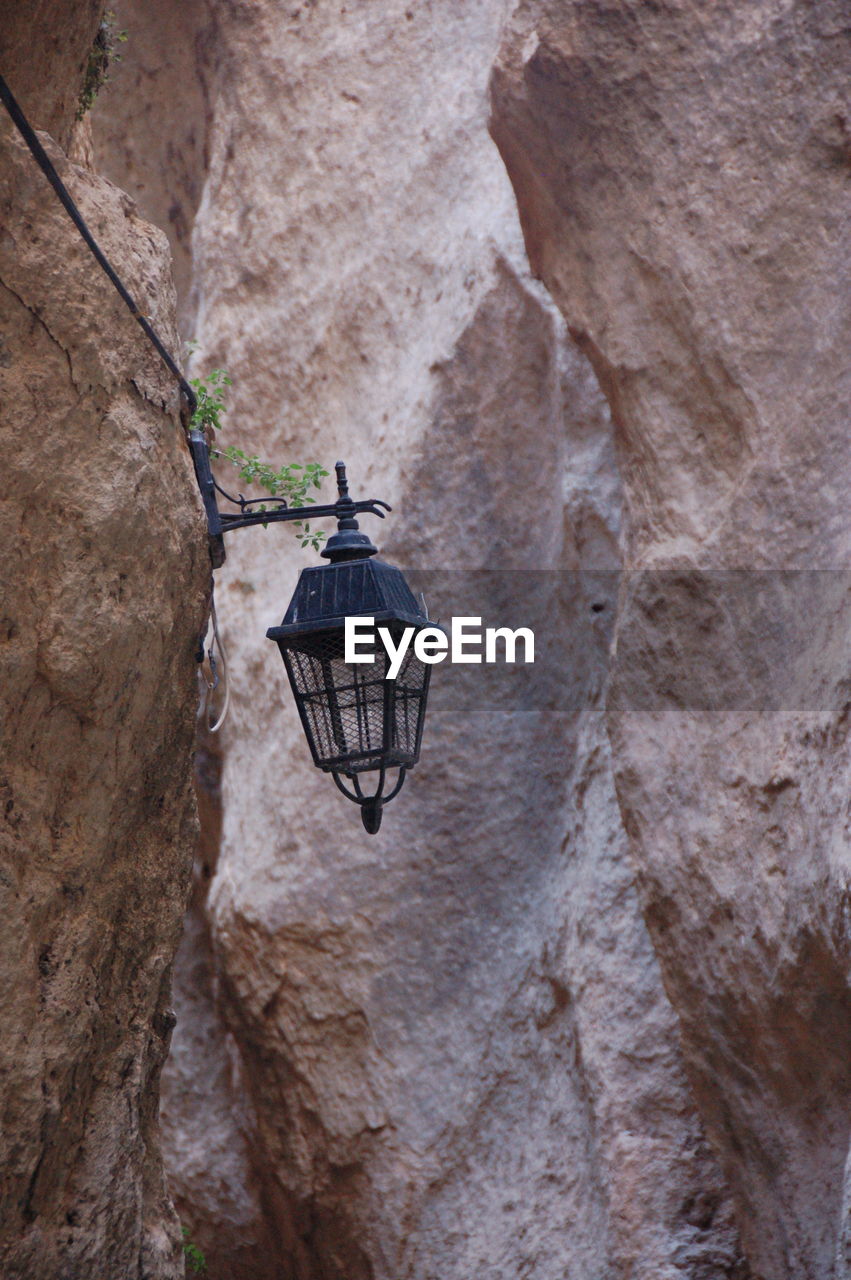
(195, 1260)
(210, 393)
(292, 483)
(101, 55)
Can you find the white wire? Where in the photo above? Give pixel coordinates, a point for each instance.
(217, 639)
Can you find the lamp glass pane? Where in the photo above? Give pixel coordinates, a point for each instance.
(354, 718)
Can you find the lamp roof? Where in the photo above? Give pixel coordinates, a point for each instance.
(326, 595)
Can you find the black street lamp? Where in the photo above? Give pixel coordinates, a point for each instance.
(357, 718)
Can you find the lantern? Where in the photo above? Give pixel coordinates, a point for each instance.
(357, 719)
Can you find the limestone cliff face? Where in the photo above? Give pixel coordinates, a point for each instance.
(151, 123)
(682, 177)
(102, 594)
(582, 1007)
(44, 48)
(447, 1050)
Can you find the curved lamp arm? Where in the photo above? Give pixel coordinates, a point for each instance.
(221, 522)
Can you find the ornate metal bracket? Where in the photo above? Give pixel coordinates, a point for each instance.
(221, 522)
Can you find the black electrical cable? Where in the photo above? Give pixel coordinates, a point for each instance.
(44, 163)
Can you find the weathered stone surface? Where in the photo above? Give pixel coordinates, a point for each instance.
(446, 1051)
(682, 177)
(455, 1035)
(150, 122)
(44, 48)
(103, 579)
(208, 1125)
(458, 1054)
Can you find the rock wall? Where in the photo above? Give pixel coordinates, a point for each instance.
(681, 172)
(44, 48)
(102, 595)
(447, 1050)
(581, 1007)
(151, 122)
